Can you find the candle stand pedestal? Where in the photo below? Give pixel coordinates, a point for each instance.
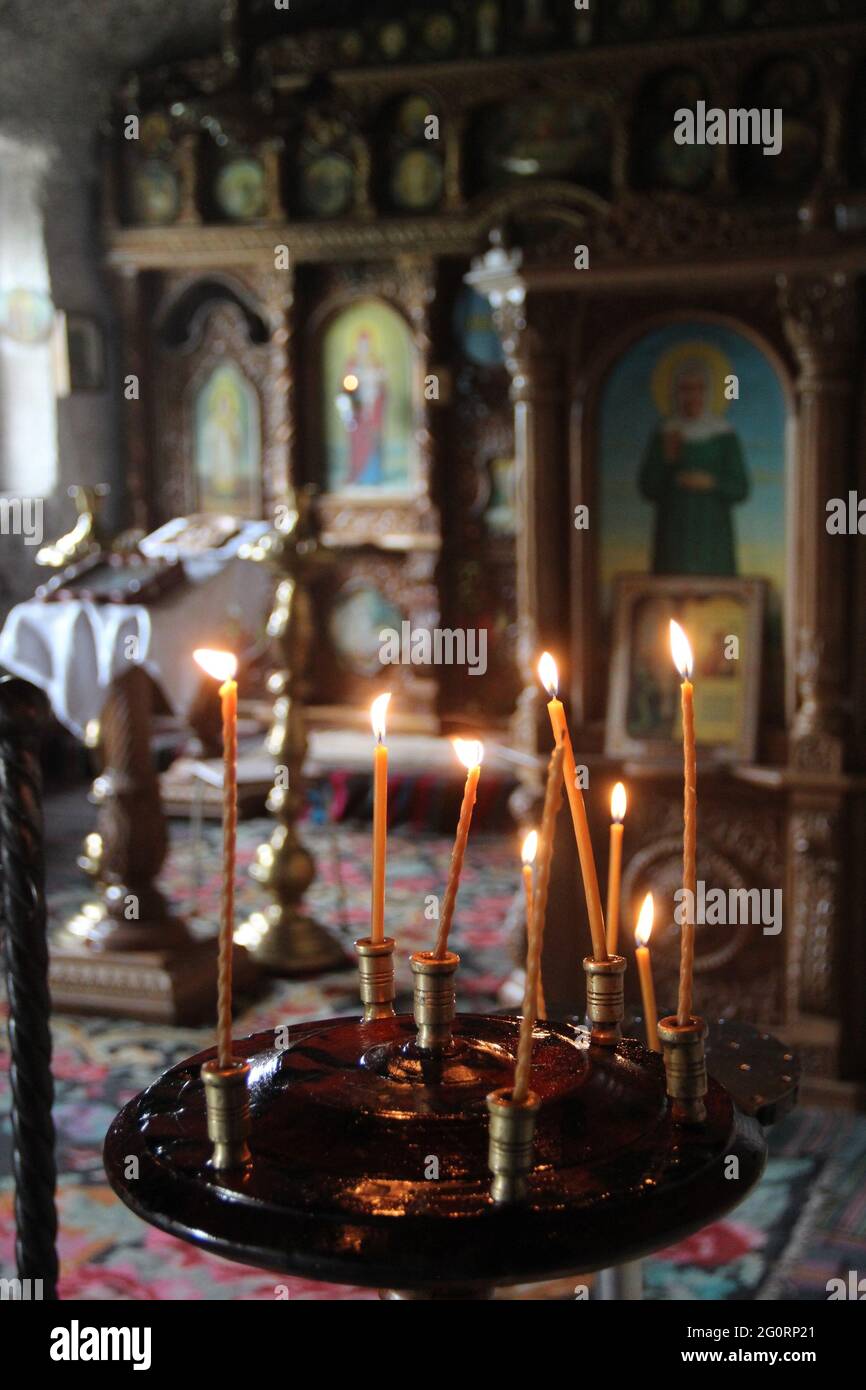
(345, 1121)
(282, 938)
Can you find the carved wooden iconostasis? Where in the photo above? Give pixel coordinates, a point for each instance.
(455, 270)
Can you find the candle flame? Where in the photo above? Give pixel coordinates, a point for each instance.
(377, 716)
(681, 651)
(221, 665)
(548, 674)
(470, 751)
(644, 921)
(530, 847)
(618, 802)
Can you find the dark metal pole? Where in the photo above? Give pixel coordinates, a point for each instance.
(23, 715)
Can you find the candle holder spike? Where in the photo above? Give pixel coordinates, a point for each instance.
(511, 1143)
(227, 1102)
(605, 998)
(376, 977)
(435, 999)
(683, 1048)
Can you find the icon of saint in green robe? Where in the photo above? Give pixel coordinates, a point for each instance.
(694, 471)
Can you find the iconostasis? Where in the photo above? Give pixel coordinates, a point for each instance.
(453, 269)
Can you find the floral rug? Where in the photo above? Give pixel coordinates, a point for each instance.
(803, 1224)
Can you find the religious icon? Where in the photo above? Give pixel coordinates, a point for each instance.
(359, 614)
(240, 189)
(691, 438)
(26, 316)
(487, 21)
(368, 400)
(725, 618)
(693, 467)
(227, 443)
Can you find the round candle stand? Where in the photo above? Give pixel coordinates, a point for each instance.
(376, 1163)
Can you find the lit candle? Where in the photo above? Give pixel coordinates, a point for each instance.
(535, 938)
(527, 854)
(380, 818)
(682, 655)
(645, 972)
(223, 667)
(470, 753)
(614, 868)
(550, 680)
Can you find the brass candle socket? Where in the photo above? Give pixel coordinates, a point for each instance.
(510, 1152)
(434, 998)
(228, 1112)
(376, 975)
(605, 1001)
(685, 1067)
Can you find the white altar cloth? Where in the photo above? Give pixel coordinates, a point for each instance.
(73, 650)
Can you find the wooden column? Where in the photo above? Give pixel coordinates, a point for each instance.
(533, 336)
(820, 319)
(134, 413)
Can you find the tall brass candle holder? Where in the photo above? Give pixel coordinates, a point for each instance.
(282, 937)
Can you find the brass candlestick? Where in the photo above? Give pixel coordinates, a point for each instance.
(511, 1143)
(87, 536)
(685, 1067)
(228, 1112)
(435, 999)
(282, 938)
(605, 1004)
(376, 976)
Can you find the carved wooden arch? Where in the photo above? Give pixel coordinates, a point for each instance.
(224, 339)
(549, 199)
(588, 388)
(187, 301)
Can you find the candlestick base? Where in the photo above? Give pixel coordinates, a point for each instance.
(435, 999)
(376, 977)
(605, 1001)
(685, 1068)
(287, 942)
(511, 1149)
(227, 1102)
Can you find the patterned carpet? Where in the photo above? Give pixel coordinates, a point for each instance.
(805, 1223)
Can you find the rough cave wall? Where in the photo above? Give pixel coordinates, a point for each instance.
(59, 66)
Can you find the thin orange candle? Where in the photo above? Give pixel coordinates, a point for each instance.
(614, 868)
(550, 680)
(527, 855)
(645, 972)
(470, 753)
(223, 667)
(682, 655)
(535, 936)
(380, 818)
